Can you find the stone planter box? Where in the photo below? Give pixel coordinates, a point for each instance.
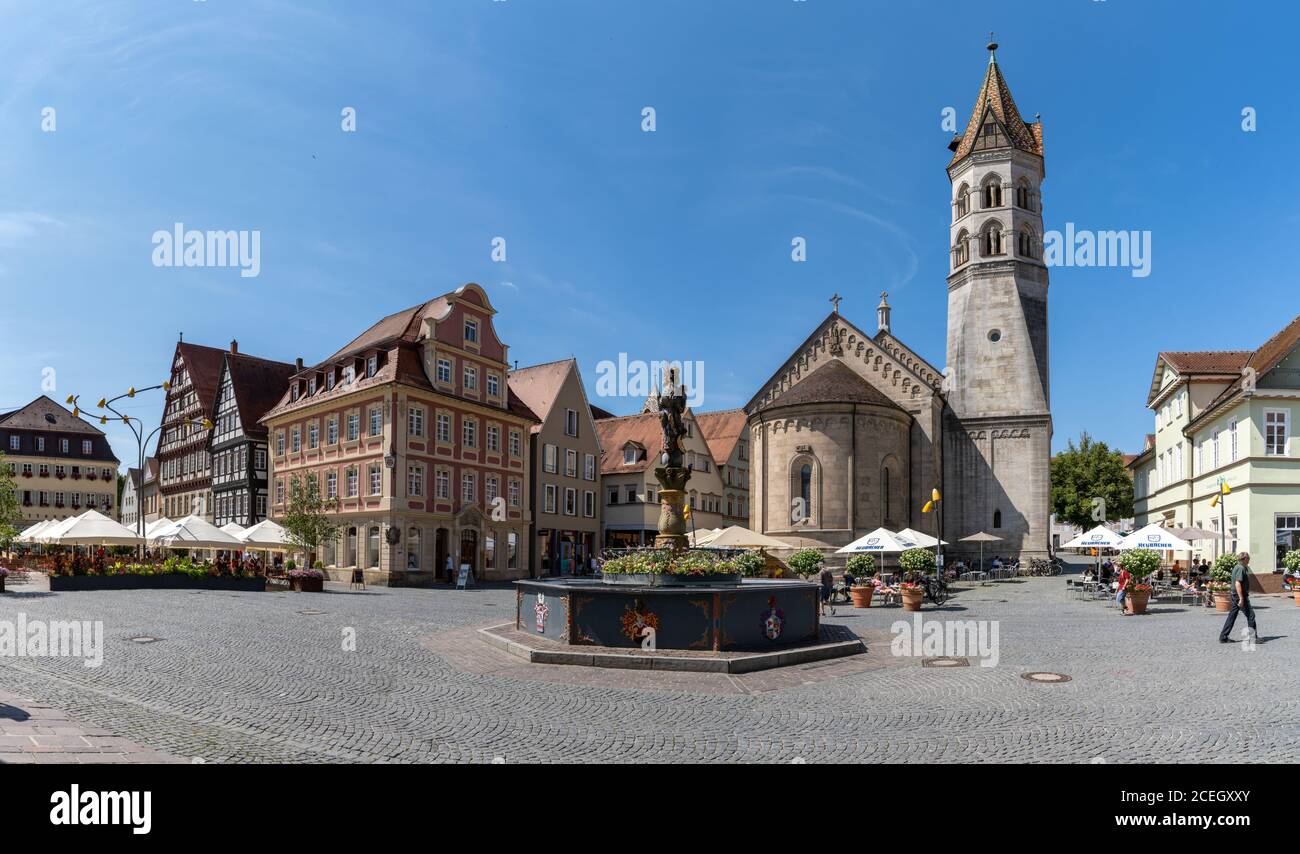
(667, 580)
(171, 581)
(307, 585)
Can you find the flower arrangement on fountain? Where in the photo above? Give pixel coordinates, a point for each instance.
(669, 562)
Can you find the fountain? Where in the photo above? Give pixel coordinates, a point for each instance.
(671, 596)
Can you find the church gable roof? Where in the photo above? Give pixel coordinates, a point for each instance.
(833, 382)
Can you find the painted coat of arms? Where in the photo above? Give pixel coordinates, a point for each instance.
(636, 618)
(541, 609)
(773, 620)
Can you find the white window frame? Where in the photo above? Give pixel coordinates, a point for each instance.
(1270, 448)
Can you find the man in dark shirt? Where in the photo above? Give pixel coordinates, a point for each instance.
(1240, 598)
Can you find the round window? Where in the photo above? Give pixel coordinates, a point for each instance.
(995, 335)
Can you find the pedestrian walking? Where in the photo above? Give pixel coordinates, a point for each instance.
(1122, 593)
(1240, 599)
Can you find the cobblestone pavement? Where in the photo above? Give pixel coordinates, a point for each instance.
(32, 732)
(265, 678)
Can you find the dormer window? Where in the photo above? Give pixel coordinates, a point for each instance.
(293, 391)
(629, 455)
(329, 380)
(349, 374)
(372, 366)
(311, 385)
(471, 331)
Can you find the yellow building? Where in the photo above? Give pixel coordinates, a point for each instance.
(62, 465)
(1224, 417)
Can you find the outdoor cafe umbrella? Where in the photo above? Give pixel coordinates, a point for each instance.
(29, 535)
(699, 538)
(982, 537)
(879, 541)
(923, 540)
(93, 528)
(266, 536)
(1098, 538)
(740, 537)
(50, 536)
(1155, 537)
(233, 529)
(193, 532)
(156, 525)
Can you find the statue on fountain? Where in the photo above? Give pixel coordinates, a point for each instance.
(672, 474)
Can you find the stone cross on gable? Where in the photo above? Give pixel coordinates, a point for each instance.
(835, 301)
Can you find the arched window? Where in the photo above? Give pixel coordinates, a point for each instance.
(805, 488)
(997, 519)
(963, 201)
(1024, 196)
(991, 240)
(961, 249)
(992, 192)
(1025, 244)
(884, 495)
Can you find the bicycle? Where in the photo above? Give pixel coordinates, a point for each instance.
(937, 590)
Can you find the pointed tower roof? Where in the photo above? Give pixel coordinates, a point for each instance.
(995, 97)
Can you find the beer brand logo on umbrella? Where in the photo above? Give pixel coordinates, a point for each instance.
(872, 541)
(773, 620)
(1153, 538)
(541, 609)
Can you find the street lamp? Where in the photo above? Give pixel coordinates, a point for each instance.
(137, 430)
(1224, 489)
(933, 505)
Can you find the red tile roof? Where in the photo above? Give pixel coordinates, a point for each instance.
(538, 386)
(204, 364)
(1261, 361)
(258, 385)
(721, 430)
(996, 96)
(615, 433)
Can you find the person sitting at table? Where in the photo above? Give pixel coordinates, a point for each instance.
(1089, 576)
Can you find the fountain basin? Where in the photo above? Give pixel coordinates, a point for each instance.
(754, 614)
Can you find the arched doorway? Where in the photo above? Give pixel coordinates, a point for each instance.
(469, 550)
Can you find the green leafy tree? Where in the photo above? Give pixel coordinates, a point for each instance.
(307, 521)
(917, 561)
(1140, 563)
(11, 512)
(861, 566)
(806, 562)
(1083, 473)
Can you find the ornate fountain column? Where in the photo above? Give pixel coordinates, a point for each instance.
(672, 474)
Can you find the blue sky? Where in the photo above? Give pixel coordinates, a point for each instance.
(522, 119)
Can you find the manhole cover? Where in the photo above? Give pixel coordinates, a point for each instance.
(1045, 677)
(311, 612)
(144, 639)
(944, 661)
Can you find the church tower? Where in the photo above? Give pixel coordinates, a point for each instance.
(999, 429)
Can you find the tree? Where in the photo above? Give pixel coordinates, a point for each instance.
(11, 513)
(1090, 484)
(306, 520)
(805, 562)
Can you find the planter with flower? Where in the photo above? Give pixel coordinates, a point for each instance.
(666, 568)
(863, 569)
(306, 580)
(1291, 560)
(916, 563)
(1221, 582)
(4, 573)
(1140, 563)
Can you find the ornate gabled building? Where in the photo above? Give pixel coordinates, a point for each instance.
(247, 389)
(184, 469)
(854, 431)
(411, 428)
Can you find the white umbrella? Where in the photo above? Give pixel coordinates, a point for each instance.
(739, 537)
(699, 538)
(156, 525)
(1099, 537)
(881, 541)
(1155, 537)
(193, 532)
(50, 536)
(93, 528)
(923, 540)
(29, 535)
(265, 535)
(233, 529)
